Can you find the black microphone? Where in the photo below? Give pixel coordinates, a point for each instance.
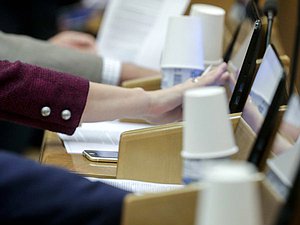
(270, 10)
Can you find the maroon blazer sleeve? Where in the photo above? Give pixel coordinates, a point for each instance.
(40, 97)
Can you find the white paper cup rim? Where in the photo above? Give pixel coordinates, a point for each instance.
(213, 62)
(207, 155)
(180, 17)
(176, 66)
(205, 92)
(237, 171)
(209, 9)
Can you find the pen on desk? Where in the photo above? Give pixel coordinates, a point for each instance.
(195, 79)
(206, 70)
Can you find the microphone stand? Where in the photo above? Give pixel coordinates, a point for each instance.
(269, 28)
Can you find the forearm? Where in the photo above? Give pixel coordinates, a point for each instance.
(26, 90)
(19, 47)
(160, 106)
(109, 102)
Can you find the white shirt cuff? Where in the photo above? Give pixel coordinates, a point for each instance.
(111, 71)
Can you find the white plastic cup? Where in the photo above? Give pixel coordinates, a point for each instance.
(182, 55)
(194, 170)
(173, 76)
(231, 196)
(212, 21)
(207, 130)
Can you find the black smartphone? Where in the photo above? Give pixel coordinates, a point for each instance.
(101, 155)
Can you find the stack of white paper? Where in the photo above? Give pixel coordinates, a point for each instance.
(138, 187)
(134, 30)
(98, 136)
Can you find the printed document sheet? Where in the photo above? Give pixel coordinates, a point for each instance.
(138, 187)
(134, 30)
(98, 136)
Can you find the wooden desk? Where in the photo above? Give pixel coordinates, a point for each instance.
(54, 153)
(150, 154)
(142, 208)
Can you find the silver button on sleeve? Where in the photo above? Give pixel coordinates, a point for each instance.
(45, 111)
(66, 114)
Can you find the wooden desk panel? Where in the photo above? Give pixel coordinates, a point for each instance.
(146, 165)
(54, 153)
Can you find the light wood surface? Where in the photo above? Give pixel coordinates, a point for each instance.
(174, 207)
(169, 208)
(150, 154)
(180, 206)
(154, 154)
(147, 83)
(54, 153)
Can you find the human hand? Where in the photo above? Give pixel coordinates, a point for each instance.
(106, 102)
(77, 40)
(166, 104)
